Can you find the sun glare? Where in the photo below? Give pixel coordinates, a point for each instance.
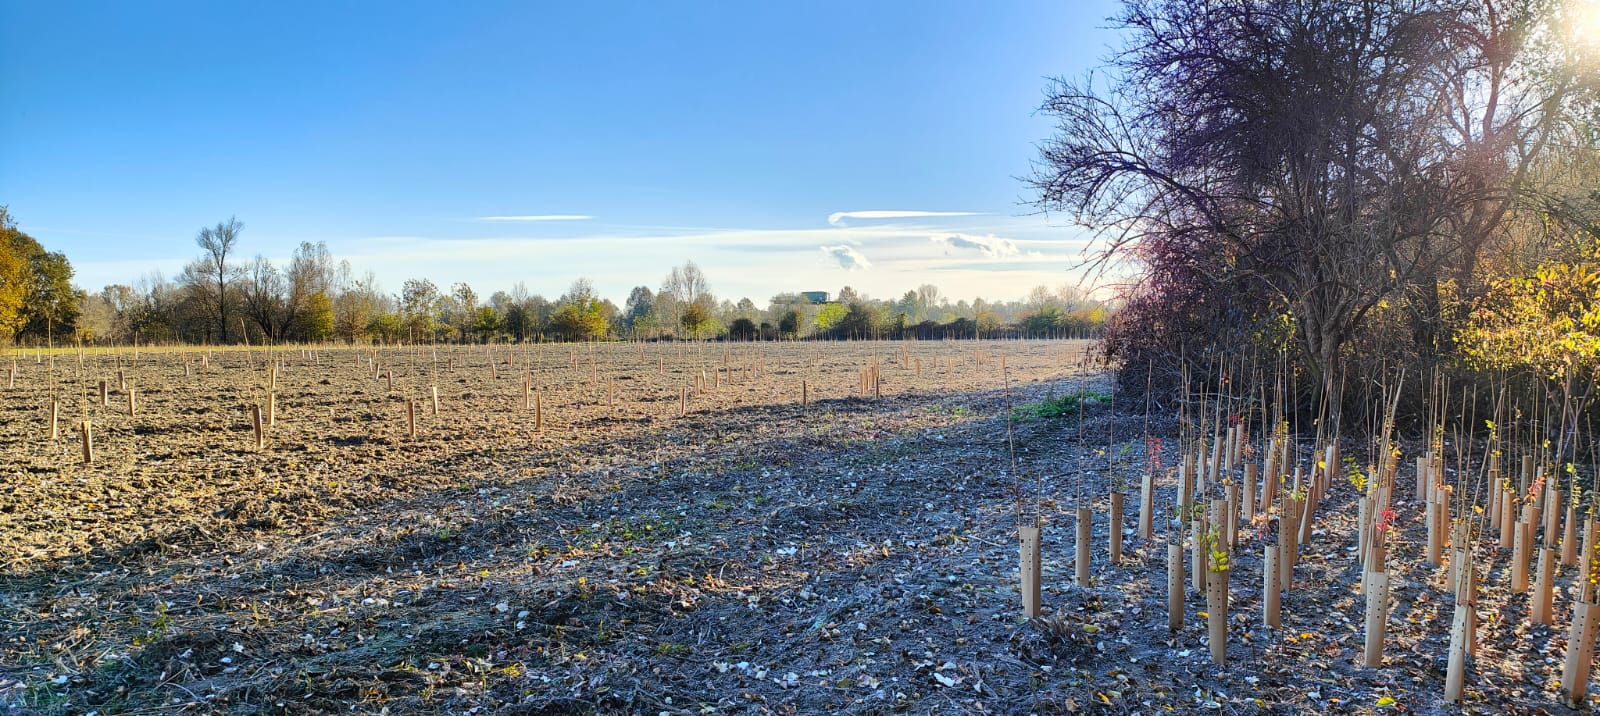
(1584, 24)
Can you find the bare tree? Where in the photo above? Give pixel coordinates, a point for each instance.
(684, 286)
(218, 242)
(1301, 163)
(265, 296)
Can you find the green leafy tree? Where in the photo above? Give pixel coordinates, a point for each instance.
(988, 322)
(696, 318)
(1545, 326)
(861, 320)
(13, 278)
(419, 301)
(829, 316)
(485, 323)
(791, 322)
(316, 320)
(743, 329)
(387, 327)
(580, 315)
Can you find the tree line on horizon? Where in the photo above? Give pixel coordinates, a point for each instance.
(220, 299)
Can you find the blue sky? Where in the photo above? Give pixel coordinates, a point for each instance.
(801, 146)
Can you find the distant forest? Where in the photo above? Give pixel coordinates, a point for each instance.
(219, 298)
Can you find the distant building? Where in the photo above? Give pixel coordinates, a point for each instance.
(814, 296)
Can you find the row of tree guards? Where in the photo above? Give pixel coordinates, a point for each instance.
(753, 364)
(1527, 528)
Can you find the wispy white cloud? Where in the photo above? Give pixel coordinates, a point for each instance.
(849, 259)
(991, 245)
(537, 217)
(839, 216)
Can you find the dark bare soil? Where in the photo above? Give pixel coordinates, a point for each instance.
(854, 555)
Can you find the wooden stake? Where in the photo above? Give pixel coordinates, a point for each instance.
(1029, 538)
(1455, 677)
(1288, 549)
(1586, 562)
(1552, 516)
(255, 421)
(1174, 586)
(1569, 537)
(1544, 587)
(1217, 615)
(1146, 503)
(1507, 520)
(1116, 527)
(1230, 516)
(1248, 501)
(1377, 593)
(1580, 652)
(1081, 565)
(88, 442)
(1270, 588)
(1520, 556)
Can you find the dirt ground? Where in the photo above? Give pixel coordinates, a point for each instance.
(856, 554)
